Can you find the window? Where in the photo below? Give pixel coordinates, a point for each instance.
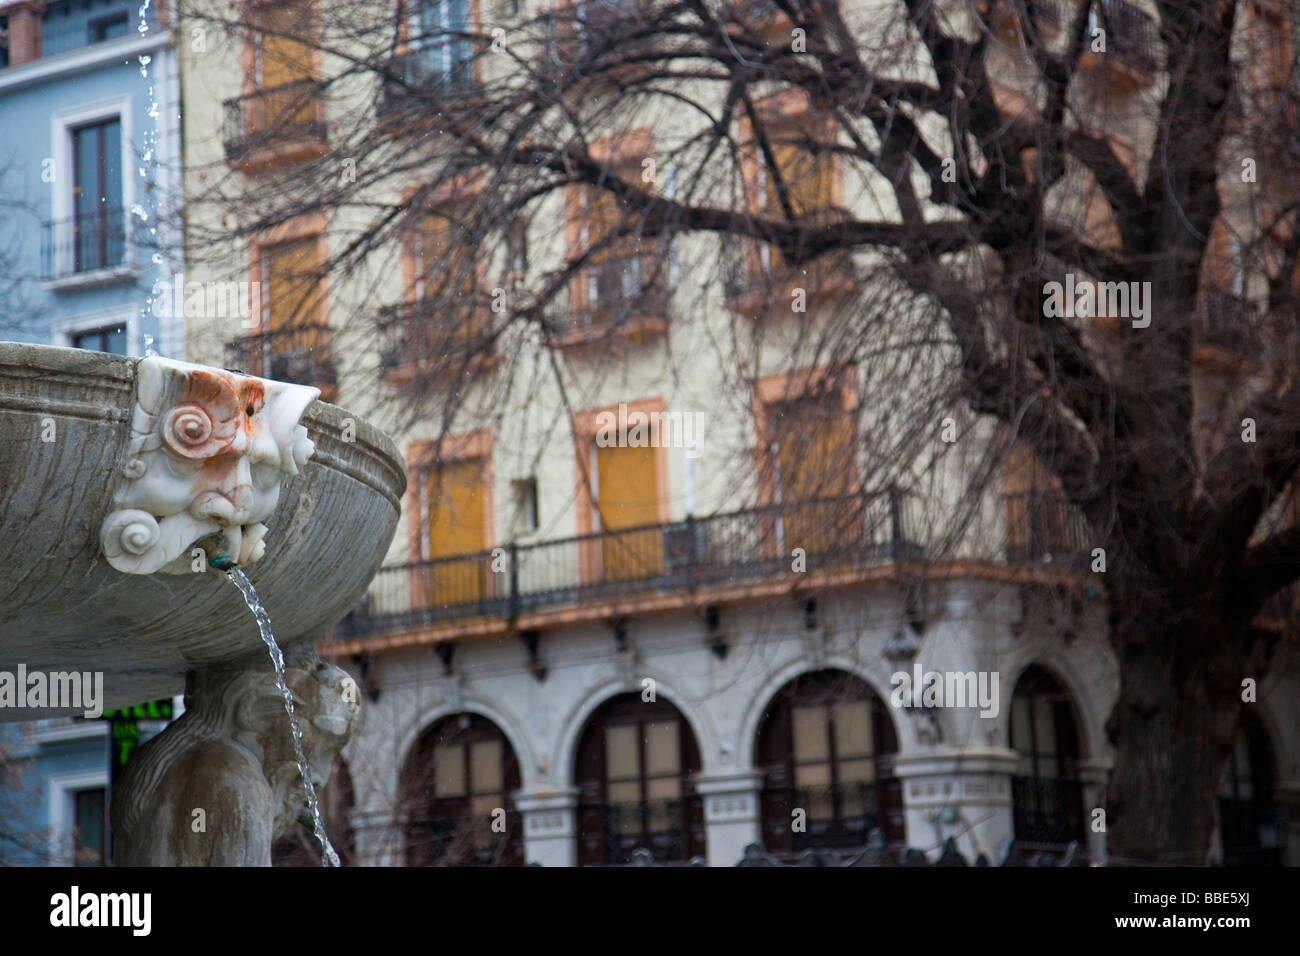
(635, 777)
(284, 100)
(441, 53)
(525, 497)
(1047, 798)
(110, 27)
(445, 257)
(458, 786)
(110, 339)
(826, 746)
(806, 174)
(808, 432)
(625, 277)
(88, 818)
(98, 219)
(293, 344)
(456, 504)
(625, 509)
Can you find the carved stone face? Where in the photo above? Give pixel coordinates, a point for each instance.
(209, 450)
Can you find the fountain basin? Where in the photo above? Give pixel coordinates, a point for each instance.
(65, 431)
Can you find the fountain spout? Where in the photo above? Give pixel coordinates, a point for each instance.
(208, 451)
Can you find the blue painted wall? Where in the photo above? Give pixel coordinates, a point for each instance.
(90, 63)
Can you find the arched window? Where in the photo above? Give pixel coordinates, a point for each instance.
(457, 787)
(1251, 829)
(1047, 799)
(826, 746)
(299, 847)
(635, 770)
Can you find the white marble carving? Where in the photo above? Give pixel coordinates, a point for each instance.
(208, 452)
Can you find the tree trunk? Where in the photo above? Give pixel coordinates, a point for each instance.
(1172, 728)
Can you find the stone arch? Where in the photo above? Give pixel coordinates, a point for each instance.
(563, 760)
(455, 787)
(777, 678)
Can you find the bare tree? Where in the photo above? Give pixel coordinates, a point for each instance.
(984, 151)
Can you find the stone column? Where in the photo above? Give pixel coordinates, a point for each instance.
(24, 30)
(1093, 775)
(1286, 795)
(963, 793)
(379, 838)
(550, 835)
(731, 814)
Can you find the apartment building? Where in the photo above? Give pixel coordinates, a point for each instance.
(659, 597)
(90, 153)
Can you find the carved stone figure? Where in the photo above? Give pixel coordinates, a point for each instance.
(208, 451)
(221, 783)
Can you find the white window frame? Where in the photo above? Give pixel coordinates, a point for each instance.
(62, 124)
(63, 789)
(65, 330)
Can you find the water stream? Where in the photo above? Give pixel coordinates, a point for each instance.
(240, 580)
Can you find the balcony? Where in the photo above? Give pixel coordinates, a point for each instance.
(299, 354)
(1042, 528)
(624, 296)
(275, 127)
(754, 286)
(87, 250)
(419, 338)
(733, 549)
(428, 80)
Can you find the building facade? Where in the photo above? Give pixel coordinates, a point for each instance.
(590, 641)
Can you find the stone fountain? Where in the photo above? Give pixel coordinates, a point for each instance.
(124, 484)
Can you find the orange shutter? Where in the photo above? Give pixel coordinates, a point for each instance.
(627, 496)
(456, 503)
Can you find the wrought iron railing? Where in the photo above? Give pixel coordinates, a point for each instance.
(734, 547)
(298, 354)
(628, 285)
(1042, 527)
(270, 119)
(442, 71)
(1047, 811)
(424, 333)
(658, 826)
(85, 243)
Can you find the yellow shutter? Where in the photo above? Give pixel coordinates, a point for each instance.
(808, 183)
(283, 58)
(815, 463)
(456, 503)
(627, 496)
(292, 274)
(446, 265)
